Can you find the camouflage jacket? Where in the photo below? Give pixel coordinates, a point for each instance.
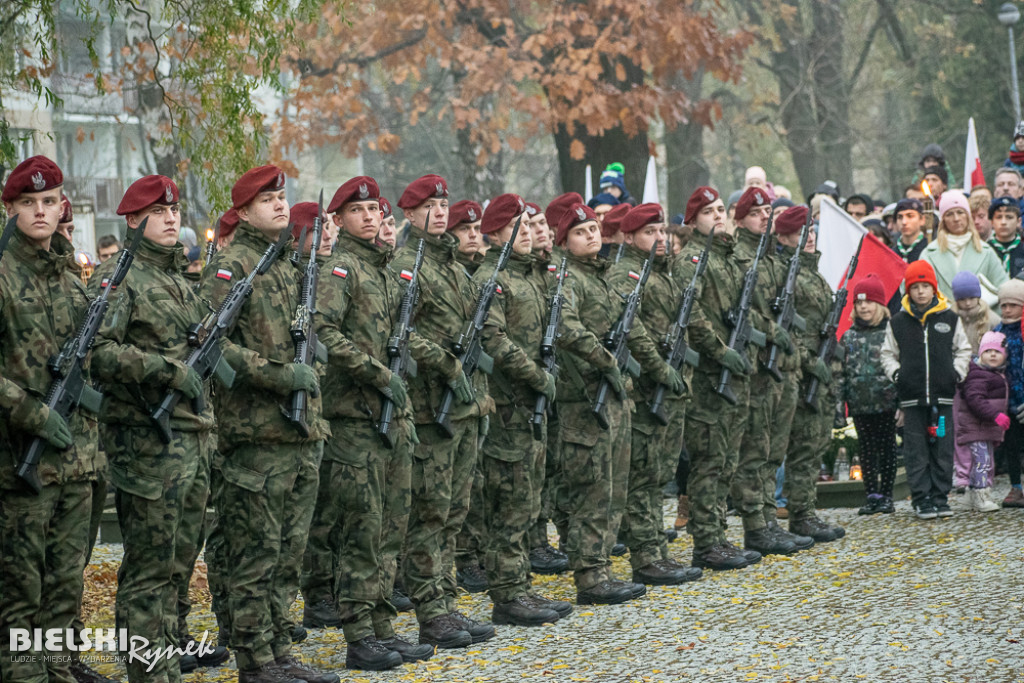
(813, 301)
(42, 302)
(259, 345)
(771, 278)
(142, 345)
(863, 384)
(592, 307)
(514, 330)
(447, 299)
(660, 305)
(471, 262)
(357, 308)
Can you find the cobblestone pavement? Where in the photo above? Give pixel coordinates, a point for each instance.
(898, 599)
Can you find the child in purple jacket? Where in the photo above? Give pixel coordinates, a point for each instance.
(979, 411)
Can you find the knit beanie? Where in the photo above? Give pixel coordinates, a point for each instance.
(992, 341)
(966, 285)
(922, 271)
(1010, 292)
(870, 289)
(953, 199)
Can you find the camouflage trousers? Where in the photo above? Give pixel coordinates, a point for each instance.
(362, 508)
(594, 481)
(654, 455)
(748, 483)
(512, 464)
(782, 425)
(216, 569)
(469, 544)
(161, 498)
(442, 479)
(808, 439)
(538, 533)
(714, 432)
(99, 501)
(264, 507)
(44, 541)
(193, 526)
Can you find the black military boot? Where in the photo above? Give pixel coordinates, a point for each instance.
(473, 578)
(299, 634)
(816, 529)
(321, 614)
(547, 560)
(689, 573)
(478, 630)
(444, 633)
(400, 601)
(369, 654)
(268, 673)
(638, 590)
(522, 612)
(560, 607)
(751, 556)
(83, 673)
(658, 574)
(409, 652)
(763, 541)
(296, 669)
(801, 542)
(605, 593)
(719, 558)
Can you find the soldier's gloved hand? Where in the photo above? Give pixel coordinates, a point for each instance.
(190, 384)
(550, 387)
(460, 385)
(34, 417)
(395, 390)
(304, 377)
(615, 381)
(821, 370)
(485, 425)
(413, 436)
(674, 381)
(783, 340)
(734, 362)
(55, 430)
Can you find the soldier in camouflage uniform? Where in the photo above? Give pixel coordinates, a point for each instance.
(268, 469)
(654, 449)
(44, 538)
(756, 467)
(714, 427)
(812, 426)
(442, 469)
(595, 461)
(512, 464)
(162, 489)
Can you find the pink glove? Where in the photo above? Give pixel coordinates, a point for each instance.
(1003, 420)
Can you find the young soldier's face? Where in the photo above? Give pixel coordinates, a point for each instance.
(359, 219)
(541, 233)
(388, 233)
(434, 211)
(268, 212)
(812, 240)
(328, 238)
(106, 252)
(712, 216)
(470, 239)
(757, 220)
(584, 239)
(38, 214)
(1005, 222)
(163, 225)
(524, 240)
(644, 238)
(921, 293)
(66, 229)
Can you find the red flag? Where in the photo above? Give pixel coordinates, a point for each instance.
(875, 258)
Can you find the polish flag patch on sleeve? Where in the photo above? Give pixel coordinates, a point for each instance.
(340, 272)
(223, 274)
(497, 288)
(695, 259)
(552, 268)
(406, 275)
(634, 275)
(106, 281)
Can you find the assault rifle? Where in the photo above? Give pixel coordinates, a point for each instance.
(619, 252)
(617, 341)
(828, 347)
(743, 332)
(547, 349)
(206, 357)
(674, 344)
(784, 305)
(68, 389)
(308, 349)
(5, 237)
(399, 361)
(467, 347)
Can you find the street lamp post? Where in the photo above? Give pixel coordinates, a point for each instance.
(1008, 16)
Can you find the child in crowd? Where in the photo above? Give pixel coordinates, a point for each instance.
(869, 395)
(976, 317)
(1011, 304)
(979, 411)
(926, 353)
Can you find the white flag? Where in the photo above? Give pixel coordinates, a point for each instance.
(588, 186)
(838, 238)
(651, 183)
(973, 175)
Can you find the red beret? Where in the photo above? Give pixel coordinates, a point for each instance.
(385, 207)
(228, 223)
(67, 214)
(501, 211)
(612, 221)
(464, 211)
(254, 181)
(362, 188)
(576, 214)
(153, 189)
(870, 289)
(532, 209)
(642, 215)
(302, 216)
(754, 196)
(422, 189)
(700, 198)
(920, 271)
(791, 220)
(35, 174)
(560, 205)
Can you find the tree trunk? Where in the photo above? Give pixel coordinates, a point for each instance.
(831, 94)
(684, 152)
